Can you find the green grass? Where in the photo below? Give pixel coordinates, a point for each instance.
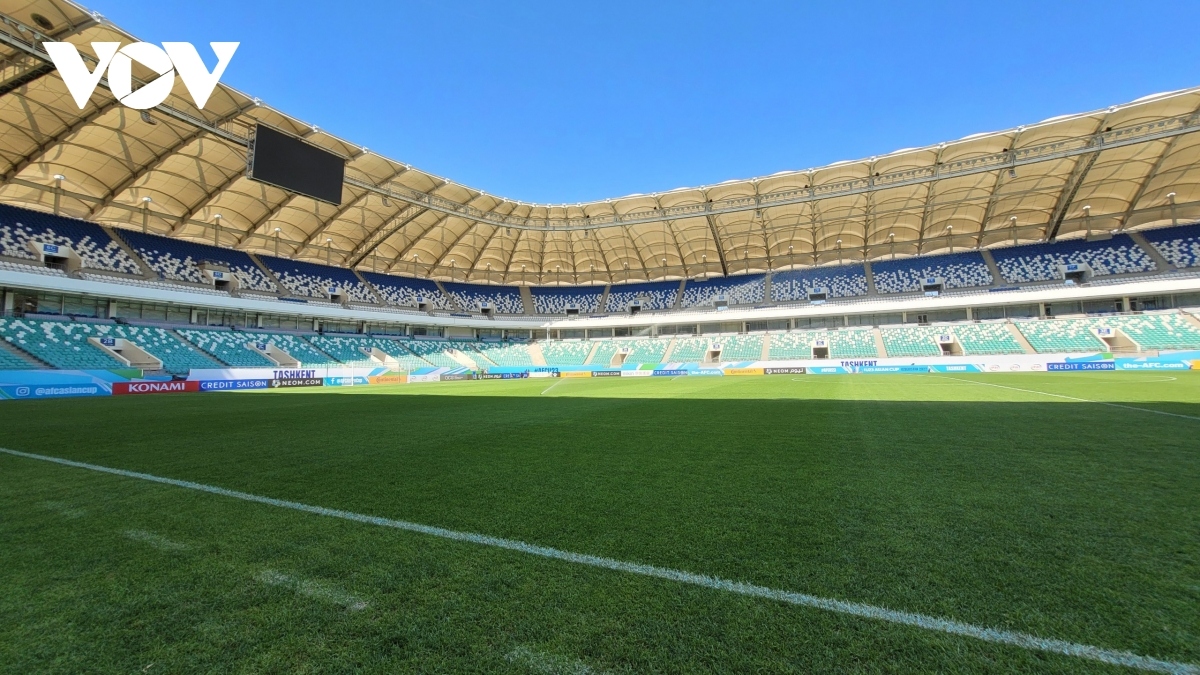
(940, 495)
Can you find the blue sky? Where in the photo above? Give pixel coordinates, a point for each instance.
(561, 102)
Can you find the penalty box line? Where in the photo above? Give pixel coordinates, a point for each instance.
(1072, 398)
(950, 626)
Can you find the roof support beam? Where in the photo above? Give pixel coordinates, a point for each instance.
(45, 146)
(372, 241)
(712, 227)
(1067, 196)
(1141, 190)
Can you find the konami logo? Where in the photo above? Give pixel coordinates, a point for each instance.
(118, 61)
(172, 387)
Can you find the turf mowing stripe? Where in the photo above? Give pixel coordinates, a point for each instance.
(1074, 398)
(1017, 639)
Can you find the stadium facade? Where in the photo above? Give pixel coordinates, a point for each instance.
(136, 239)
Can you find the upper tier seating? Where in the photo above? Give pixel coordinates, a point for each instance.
(314, 281)
(841, 282)
(649, 350)
(740, 290)
(1061, 335)
(569, 353)
(1179, 245)
(690, 349)
(985, 338)
(180, 259)
(62, 344)
(1039, 262)
(505, 354)
(958, 270)
(653, 296)
(556, 299)
(31, 269)
(740, 347)
(228, 346)
(470, 297)
(911, 341)
(95, 248)
(406, 291)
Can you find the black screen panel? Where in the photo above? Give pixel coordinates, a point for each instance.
(288, 162)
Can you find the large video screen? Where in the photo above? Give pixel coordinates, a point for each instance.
(289, 162)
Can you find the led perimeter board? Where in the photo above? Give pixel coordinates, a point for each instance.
(295, 165)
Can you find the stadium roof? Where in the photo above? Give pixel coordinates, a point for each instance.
(1127, 166)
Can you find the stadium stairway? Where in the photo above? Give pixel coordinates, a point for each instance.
(527, 301)
(767, 288)
(1160, 263)
(370, 287)
(766, 350)
(449, 298)
(997, 278)
(1020, 337)
(147, 271)
(279, 287)
(1192, 319)
(880, 346)
(870, 279)
(13, 358)
(666, 357)
(535, 350)
(677, 305)
(462, 357)
(604, 298)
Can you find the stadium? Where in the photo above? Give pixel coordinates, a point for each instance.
(273, 402)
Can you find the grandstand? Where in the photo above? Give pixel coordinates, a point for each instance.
(317, 281)
(842, 281)
(1179, 245)
(911, 341)
(740, 290)
(986, 338)
(571, 353)
(408, 292)
(181, 259)
(472, 297)
(650, 297)
(61, 344)
(558, 299)
(690, 349)
(227, 346)
(1040, 262)
(741, 347)
(957, 270)
(505, 354)
(21, 228)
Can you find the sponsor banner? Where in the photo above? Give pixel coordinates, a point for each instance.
(285, 382)
(544, 373)
(492, 376)
(668, 373)
(575, 373)
(426, 377)
(612, 373)
(283, 373)
(346, 381)
(706, 371)
(957, 368)
(827, 370)
(783, 371)
(891, 369)
(387, 379)
(233, 385)
(636, 373)
(171, 387)
(1080, 365)
(454, 377)
(1195, 365)
(542, 369)
(745, 371)
(1130, 364)
(29, 391)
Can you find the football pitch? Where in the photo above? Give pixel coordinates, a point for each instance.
(864, 523)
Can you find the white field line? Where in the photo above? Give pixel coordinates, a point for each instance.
(1072, 398)
(155, 540)
(550, 664)
(933, 623)
(560, 381)
(312, 589)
